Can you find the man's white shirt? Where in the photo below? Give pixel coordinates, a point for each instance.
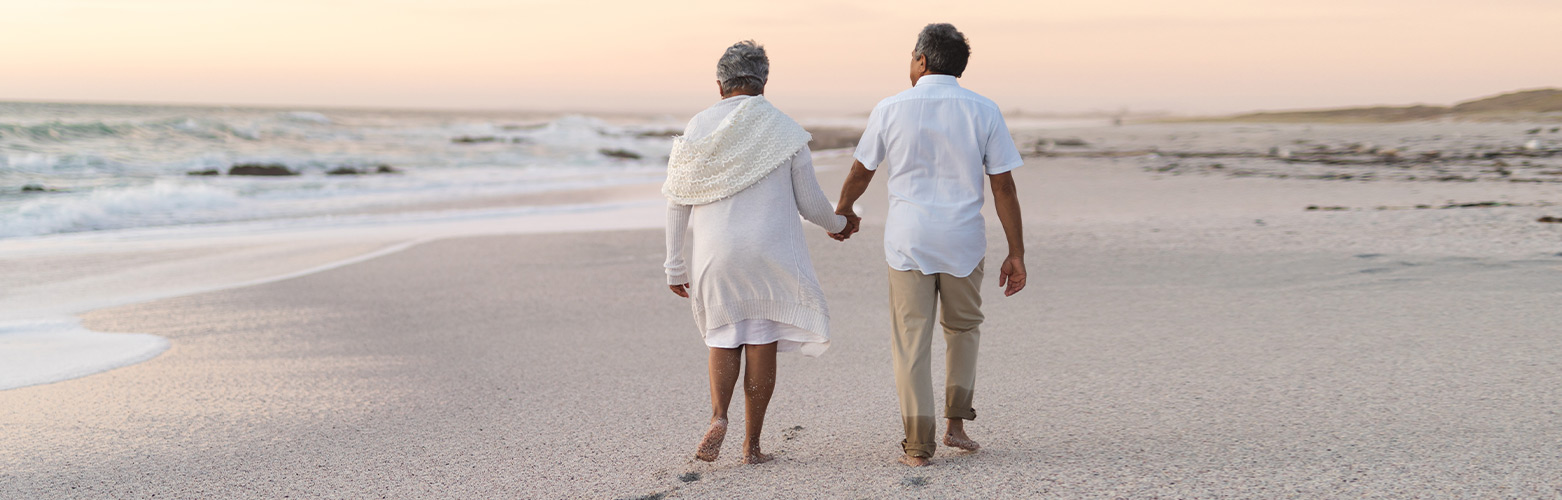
(939, 142)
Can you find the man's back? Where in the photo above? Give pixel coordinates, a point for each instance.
(939, 141)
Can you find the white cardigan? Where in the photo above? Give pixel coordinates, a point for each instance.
(749, 259)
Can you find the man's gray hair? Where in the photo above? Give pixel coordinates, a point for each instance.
(744, 67)
(945, 47)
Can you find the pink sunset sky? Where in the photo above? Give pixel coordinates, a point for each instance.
(1191, 56)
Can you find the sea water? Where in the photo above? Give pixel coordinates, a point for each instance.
(88, 167)
(86, 189)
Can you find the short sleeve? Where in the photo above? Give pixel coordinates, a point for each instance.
(999, 154)
(871, 148)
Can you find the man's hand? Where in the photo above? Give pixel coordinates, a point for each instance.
(856, 183)
(852, 224)
(681, 290)
(1006, 201)
(1012, 275)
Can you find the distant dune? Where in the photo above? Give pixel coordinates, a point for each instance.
(1543, 104)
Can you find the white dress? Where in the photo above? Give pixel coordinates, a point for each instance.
(750, 276)
(788, 338)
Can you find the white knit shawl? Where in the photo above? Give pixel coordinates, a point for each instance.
(748, 144)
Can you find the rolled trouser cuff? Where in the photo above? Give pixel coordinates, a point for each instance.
(919, 450)
(962, 414)
(919, 437)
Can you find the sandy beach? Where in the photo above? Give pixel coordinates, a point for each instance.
(1185, 334)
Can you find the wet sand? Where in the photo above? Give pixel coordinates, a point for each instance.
(1182, 336)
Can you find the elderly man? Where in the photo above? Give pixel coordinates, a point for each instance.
(938, 140)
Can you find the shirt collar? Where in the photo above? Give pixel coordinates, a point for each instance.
(937, 80)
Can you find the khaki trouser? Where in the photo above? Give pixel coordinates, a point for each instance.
(913, 297)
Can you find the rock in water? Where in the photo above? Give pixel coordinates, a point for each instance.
(343, 171)
(666, 134)
(209, 171)
(34, 188)
(619, 153)
(386, 169)
(271, 169)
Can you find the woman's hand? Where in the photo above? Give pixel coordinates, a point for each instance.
(681, 290)
(852, 223)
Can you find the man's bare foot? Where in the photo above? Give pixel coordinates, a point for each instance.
(710, 446)
(913, 461)
(961, 442)
(755, 457)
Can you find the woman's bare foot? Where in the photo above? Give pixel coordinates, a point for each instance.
(753, 456)
(961, 442)
(710, 447)
(913, 461)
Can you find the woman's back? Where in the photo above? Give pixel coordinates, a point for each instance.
(748, 258)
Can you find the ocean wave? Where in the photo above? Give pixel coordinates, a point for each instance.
(305, 117)
(61, 131)
(64, 132)
(162, 202)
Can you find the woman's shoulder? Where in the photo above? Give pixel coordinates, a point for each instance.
(707, 120)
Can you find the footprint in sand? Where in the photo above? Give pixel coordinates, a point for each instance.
(791, 433)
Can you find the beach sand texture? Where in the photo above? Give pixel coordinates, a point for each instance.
(1182, 336)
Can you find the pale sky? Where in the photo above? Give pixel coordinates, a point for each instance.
(1187, 56)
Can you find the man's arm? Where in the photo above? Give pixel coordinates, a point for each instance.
(856, 183)
(1007, 202)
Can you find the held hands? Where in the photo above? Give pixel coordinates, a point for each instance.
(852, 223)
(1012, 275)
(681, 290)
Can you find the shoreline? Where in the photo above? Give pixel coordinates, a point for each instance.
(41, 337)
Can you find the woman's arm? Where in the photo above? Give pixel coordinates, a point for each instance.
(677, 227)
(810, 197)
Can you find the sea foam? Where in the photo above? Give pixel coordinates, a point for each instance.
(164, 201)
(43, 351)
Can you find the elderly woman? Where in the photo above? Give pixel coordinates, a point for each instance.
(736, 181)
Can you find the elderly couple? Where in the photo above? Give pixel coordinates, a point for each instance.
(742, 172)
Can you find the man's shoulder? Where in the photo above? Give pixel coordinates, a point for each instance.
(891, 101)
(955, 93)
(981, 100)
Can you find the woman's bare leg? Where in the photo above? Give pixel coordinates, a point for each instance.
(724, 364)
(759, 382)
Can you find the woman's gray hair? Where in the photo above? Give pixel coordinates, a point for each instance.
(945, 48)
(744, 67)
